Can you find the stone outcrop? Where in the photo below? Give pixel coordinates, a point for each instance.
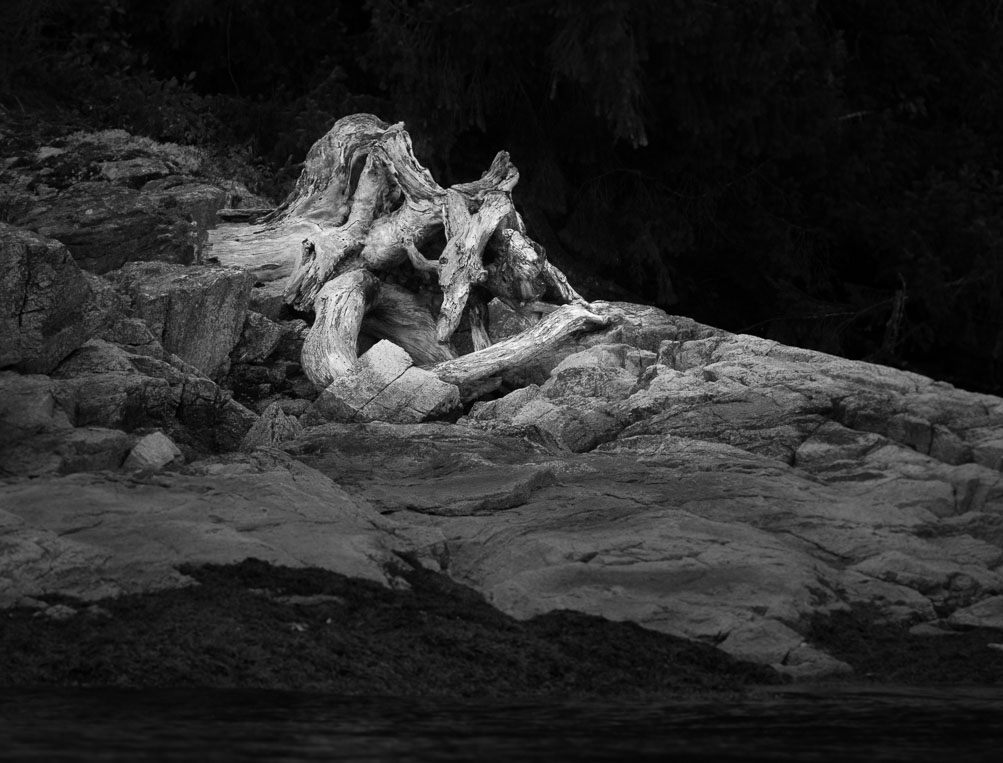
(114, 198)
(103, 371)
(719, 487)
(42, 302)
(195, 312)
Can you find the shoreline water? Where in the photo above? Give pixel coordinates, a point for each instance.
(229, 725)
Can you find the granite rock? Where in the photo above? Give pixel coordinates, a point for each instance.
(196, 312)
(987, 613)
(43, 298)
(37, 436)
(105, 226)
(720, 487)
(385, 385)
(151, 452)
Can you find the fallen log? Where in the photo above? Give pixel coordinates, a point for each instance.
(470, 372)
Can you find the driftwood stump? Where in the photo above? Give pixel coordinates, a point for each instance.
(387, 252)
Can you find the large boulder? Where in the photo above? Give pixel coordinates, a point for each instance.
(197, 312)
(385, 385)
(43, 298)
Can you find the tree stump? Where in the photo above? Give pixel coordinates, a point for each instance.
(387, 252)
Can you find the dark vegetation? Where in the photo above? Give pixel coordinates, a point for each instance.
(821, 172)
(886, 652)
(254, 625)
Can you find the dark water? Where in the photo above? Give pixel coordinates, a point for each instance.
(821, 724)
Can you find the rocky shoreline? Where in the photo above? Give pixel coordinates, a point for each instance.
(654, 483)
(253, 625)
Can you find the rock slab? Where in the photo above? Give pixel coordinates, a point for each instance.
(385, 385)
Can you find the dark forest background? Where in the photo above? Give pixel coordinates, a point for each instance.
(825, 173)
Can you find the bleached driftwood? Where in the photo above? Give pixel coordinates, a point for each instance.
(368, 222)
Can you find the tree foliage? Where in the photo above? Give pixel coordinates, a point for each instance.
(823, 172)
